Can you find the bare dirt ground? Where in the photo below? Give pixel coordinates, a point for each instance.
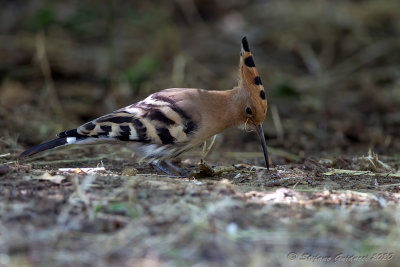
(127, 215)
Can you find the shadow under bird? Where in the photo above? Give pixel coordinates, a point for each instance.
(172, 121)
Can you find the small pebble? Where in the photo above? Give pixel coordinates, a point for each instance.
(129, 171)
(4, 169)
(232, 228)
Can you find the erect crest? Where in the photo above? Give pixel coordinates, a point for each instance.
(250, 79)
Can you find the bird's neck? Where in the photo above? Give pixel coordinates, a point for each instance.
(223, 109)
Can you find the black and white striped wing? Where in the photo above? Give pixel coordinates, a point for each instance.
(156, 122)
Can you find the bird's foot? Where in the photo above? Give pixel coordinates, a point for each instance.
(170, 169)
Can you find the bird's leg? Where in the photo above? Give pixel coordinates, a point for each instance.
(170, 169)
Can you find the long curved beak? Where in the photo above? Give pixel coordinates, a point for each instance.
(260, 132)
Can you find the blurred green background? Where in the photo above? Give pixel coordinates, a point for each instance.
(330, 68)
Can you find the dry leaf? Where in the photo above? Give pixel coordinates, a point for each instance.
(371, 162)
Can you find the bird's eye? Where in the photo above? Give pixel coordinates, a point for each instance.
(249, 111)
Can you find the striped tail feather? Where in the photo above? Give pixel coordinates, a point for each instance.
(45, 146)
(65, 138)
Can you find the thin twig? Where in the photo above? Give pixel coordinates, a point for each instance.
(310, 59)
(178, 70)
(41, 163)
(272, 151)
(277, 122)
(190, 11)
(46, 71)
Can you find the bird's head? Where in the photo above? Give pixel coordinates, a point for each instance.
(252, 94)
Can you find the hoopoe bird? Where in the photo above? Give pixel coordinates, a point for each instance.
(172, 121)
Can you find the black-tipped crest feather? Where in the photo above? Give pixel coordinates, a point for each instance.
(245, 44)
